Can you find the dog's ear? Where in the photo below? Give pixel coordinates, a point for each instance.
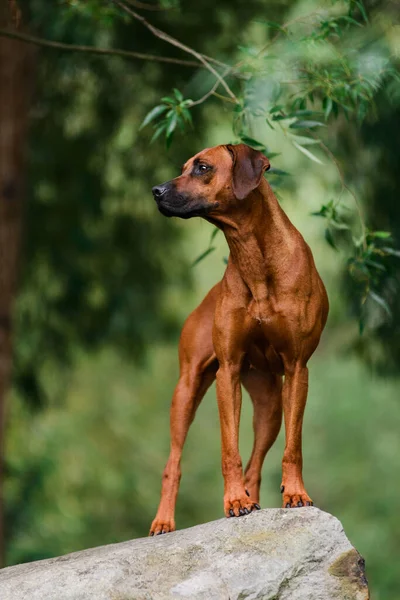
(247, 169)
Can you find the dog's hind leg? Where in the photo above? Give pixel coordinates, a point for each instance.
(192, 385)
(265, 390)
(198, 367)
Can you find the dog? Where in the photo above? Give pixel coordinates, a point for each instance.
(257, 327)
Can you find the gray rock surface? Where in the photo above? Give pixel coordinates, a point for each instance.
(296, 554)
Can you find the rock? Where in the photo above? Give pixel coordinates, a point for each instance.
(296, 554)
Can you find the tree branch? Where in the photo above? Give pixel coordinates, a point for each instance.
(211, 91)
(30, 39)
(170, 40)
(145, 6)
(329, 153)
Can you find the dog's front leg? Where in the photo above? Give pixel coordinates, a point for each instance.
(236, 501)
(295, 390)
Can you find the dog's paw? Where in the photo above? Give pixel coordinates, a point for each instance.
(237, 507)
(295, 498)
(162, 525)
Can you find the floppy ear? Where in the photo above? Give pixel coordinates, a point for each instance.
(247, 170)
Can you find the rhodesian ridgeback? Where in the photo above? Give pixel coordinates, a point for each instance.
(258, 326)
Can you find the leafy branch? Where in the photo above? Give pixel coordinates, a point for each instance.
(174, 42)
(130, 54)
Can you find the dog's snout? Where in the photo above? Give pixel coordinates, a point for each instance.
(159, 190)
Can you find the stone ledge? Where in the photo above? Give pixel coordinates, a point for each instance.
(272, 554)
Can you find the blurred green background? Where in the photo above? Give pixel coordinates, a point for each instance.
(106, 283)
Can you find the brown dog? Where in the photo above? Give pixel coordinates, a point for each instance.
(262, 321)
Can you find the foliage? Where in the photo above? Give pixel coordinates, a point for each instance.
(173, 112)
(91, 259)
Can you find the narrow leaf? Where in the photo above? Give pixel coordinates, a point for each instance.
(309, 154)
(274, 25)
(304, 141)
(274, 171)
(178, 95)
(328, 108)
(171, 125)
(338, 225)
(157, 133)
(380, 234)
(153, 114)
(187, 116)
(362, 11)
(277, 108)
(214, 233)
(253, 143)
(306, 124)
(329, 239)
(381, 301)
(391, 251)
(376, 265)
(303, 113)
(203, 255)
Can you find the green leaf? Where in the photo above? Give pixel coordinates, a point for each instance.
(277, 108)
(214, 233)
(203, 255)
(381, 301)
(253, 143)
(153, 114)
(178, 95)
(309, 154)
(303, 113)
(158, 132)
(304, 141)
(376, 265)
(187, 115)
(280, 117)
(171, 125)
(306, 124)
(274, 25)
(327, 107)
(362, 11)
(380, 234)
(339, 225)
(274, 171)
(329, 238)
(391, 251)
(168, 99)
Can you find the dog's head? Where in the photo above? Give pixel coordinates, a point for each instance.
(212, 182)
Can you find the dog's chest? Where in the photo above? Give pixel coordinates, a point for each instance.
(268, 322)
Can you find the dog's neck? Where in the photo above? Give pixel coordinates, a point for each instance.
(260, 238)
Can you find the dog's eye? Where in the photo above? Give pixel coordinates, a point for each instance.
(203, 168)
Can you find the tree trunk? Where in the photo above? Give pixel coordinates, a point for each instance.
(16, 65)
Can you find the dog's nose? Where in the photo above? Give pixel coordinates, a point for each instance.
(159, 190)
